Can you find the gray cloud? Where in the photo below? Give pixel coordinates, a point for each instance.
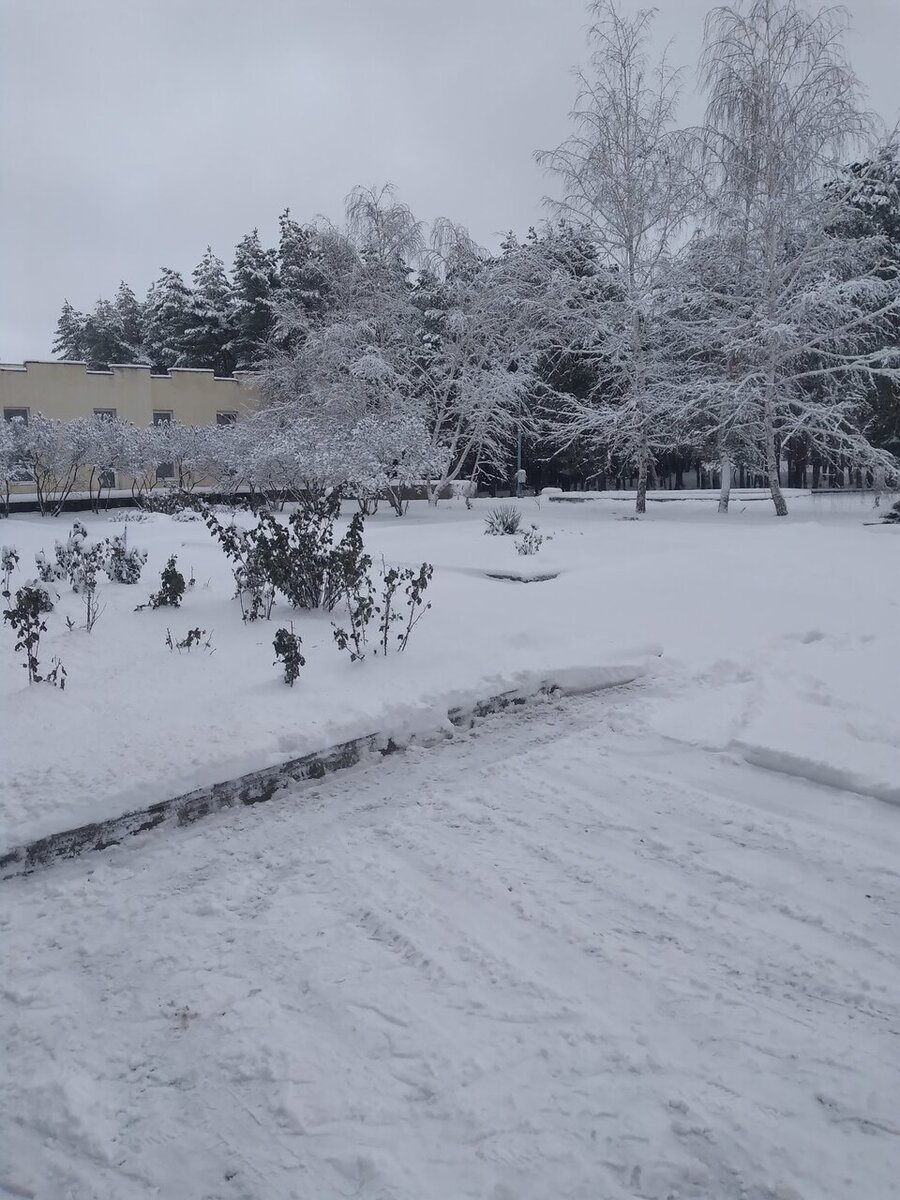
(134, 132)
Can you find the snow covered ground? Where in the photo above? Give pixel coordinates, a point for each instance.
(631, 945)
(562, 956)
(780, 636)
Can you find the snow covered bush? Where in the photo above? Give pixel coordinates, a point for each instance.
(170, 502)
(193, 637)
(83, 577)
(531, 541)
(171, 588)
(25, 616)
(66, 557)
(287, 651)
(358, 594)
(505, 519)
(297, 557)
(402, 604)
(9, 560)
(124, 565)
(74, 560)
(253, 588)
(399, 608)
(48, 455)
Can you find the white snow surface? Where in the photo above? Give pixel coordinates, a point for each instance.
(561, 956)
(636, 944)
(782, 637)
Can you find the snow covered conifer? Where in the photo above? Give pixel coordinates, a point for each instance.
(104, 337)
(165, 320)
(301, 279)
(69, 340)
(254, 278)
(209, 331)
(131, 318)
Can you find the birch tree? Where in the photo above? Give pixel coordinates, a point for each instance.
(793, 321)
(625, 175)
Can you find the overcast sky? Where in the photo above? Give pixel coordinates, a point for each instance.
(134, 132)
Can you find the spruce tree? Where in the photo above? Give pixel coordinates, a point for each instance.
(210, 330)
(254, 281)
(132, 318)
(69, 340)
(165, 321)
(301, 280)
(871, 191)
(104, 338)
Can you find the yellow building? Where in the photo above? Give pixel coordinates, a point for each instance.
(65, 390)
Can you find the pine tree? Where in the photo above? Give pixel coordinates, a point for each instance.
(210, 329)
(165, 321)
(254, 279)
(69, 340)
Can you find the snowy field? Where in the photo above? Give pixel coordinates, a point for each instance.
(634, 945)
(782, 637)
(561, 957)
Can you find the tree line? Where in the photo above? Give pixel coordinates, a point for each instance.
(222, 322)
(727, 295)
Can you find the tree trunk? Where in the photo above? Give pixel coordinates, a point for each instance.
(640, 504)
(725, 489)
(772, 457)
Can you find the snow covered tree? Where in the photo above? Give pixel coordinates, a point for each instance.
(209, 330)
(484, 324)
(301, 280)
(111, 333)
(104, 340)
(803, 300)
(625, 176)
(871, 191)
(131, 318)
(254, 279)
(166, 316)
(50, 458)
(342, 376)
(69, 340)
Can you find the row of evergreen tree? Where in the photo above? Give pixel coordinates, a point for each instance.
(223, 322)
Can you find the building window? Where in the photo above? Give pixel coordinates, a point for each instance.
(105, 414)
(226, 418)
(164, 471)
(16, 414)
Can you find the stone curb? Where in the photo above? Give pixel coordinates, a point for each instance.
(257, 787)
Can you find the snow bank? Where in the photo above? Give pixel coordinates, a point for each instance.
(422, 725)
(138, 724)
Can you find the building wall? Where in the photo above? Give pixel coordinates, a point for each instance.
(67, 389)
